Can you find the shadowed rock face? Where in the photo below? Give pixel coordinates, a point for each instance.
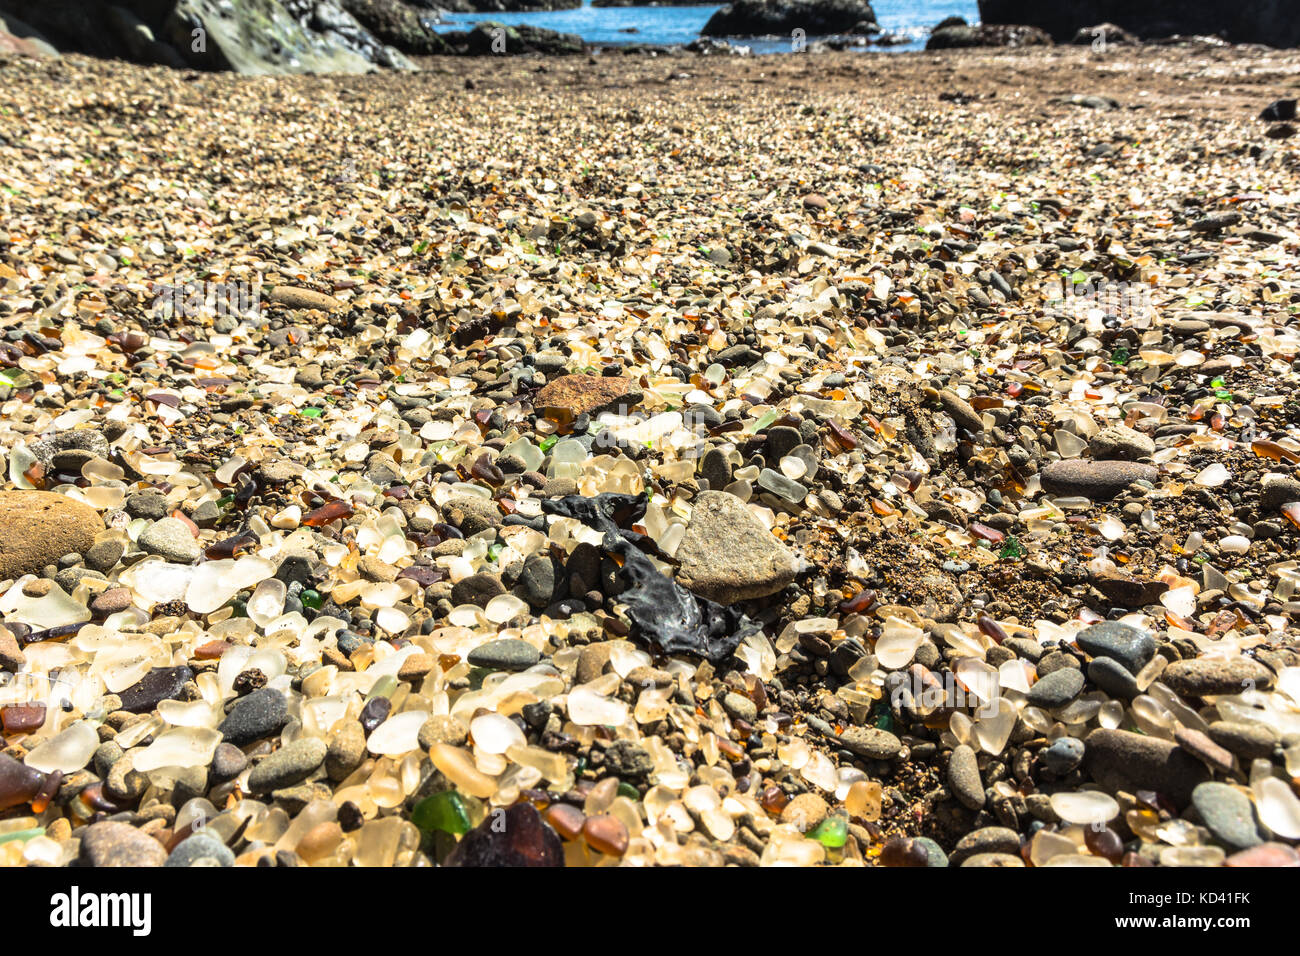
(986, 34)
(781, 17)
(245, 36)
(1272, 22)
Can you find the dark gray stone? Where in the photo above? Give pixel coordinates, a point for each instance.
(1128, 645)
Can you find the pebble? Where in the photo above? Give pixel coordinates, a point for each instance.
(1205, 677)
(171, 539)
(727, 555)
(805, 811)
(587, 394)
(161, 683)
(111, 843)
(346, 750)
(1229, 814)
(1098, 480)
(1248, 740)
(1277, 490)
(291, 764)
(986, 840)
(1120, 760)
(1056, 689)
(1121, 443)
(228, 762)
(1063, 755)
(255, 716)
(41, 527)
(964, 778)
(871, 742)
(506, 654)
(441, 729)
(198, 849)
(961, 412)
(1199, 745)
(296, 297)
(477, 589)
(1113, 678)
(1120, 642)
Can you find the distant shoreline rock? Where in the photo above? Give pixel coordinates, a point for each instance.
(1270, 22)
(753, 18)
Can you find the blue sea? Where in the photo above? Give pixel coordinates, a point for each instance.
(612, 26)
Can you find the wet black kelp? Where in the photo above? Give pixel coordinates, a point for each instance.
(662, 613)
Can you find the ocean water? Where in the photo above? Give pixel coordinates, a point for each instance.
(611, 26)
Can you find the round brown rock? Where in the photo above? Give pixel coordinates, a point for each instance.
(41, 527)
(119, 844)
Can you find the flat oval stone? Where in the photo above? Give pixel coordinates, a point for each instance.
(964, 778)
(290, 764)
(506, 654)
(1267, 854)
(294, 297)
(260, 714)
(1128, 645)
(1113, 677)
(1056, 689)
(1249, 740)
(161, 683)
(1098, 480)
(985, 840)
(871, 742)
(1120, 760)
(1207, 678)
(1229, 814)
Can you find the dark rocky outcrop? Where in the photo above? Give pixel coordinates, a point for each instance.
(506, 6)
(984, 34)
(1103, 33)
(782, 17)
(1272, 22)
(396, 24)
(244, 36)
(490, 37)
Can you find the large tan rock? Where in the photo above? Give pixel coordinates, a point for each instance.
(727, 555)
(39, 527)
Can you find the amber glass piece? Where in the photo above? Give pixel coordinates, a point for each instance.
(1104, 842)
(860, 603)
(332, 511)
(231, 547)
(566, 819)
(606, 833)
(1273, 451)
(992, 628)
(773, 800)
(843, 436)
